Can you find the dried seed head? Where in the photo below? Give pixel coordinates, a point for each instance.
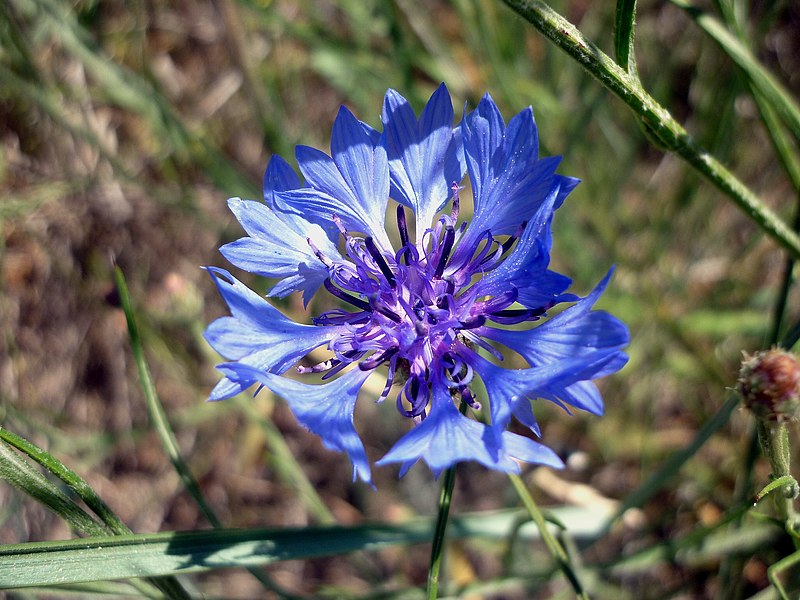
(769, 382)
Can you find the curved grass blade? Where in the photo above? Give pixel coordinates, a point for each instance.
(84, 491)
(154, 407)
(780, 99)
(553, 546)
(25, 477)
(29, 480)
(791, 337)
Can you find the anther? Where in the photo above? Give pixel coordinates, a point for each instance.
(447, 246)
(466, 394)
(402, 225)
(380, 261)
(378, 359)
(357, 302)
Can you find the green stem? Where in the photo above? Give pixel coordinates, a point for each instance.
(163, 427)
(774, 439)
(437, 548)
(553, 545)
(655, 117)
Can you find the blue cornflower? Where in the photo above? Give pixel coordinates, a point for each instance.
(424, 310)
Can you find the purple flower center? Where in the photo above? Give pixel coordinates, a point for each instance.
(417, 308)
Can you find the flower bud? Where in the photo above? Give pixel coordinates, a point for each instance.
(769, 382)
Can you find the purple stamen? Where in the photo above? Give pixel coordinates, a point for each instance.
(447, 246)
(388, 313)
(357, 302)
(467, 396)
(496, 304)
(473, 322)
(402, 225)
(380, 261)
(378, 359)
(516, 315)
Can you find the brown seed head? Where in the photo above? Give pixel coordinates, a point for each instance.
(769, 382)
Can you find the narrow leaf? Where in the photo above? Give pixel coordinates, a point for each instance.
(761, 79)
(68, 476)
(170, 553)
(624, 24)
(29, 480)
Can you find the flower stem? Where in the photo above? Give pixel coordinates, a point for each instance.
(774, 439)
(437, 548)
(553, 545)
(657, 120)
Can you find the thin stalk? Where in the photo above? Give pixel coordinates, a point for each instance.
(656, 118)
(786, 285)
(437, 548)
(164, 430)
(774, 439)
(553, 545)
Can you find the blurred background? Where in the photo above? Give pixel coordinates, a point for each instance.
(125, 126)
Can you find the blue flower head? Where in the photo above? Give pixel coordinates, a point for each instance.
(429, 308)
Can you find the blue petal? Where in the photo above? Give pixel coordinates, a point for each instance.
(576, 332)
(257, 334)
(325, 409)
(565, 187)
(508, 181)
(447, 437)
(423, 155)
(278, 246)
(279, 176)
(526, 267)
(508, 388)
(481, 132)
(354, 184)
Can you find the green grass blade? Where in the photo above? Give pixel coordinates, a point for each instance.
(624, 25)
(120, 557)
(68, 476)
(24, 476)
(170, 553)
(154, 408)
(554, 547)
(28, 479)
(780, 99)
(791, 337)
